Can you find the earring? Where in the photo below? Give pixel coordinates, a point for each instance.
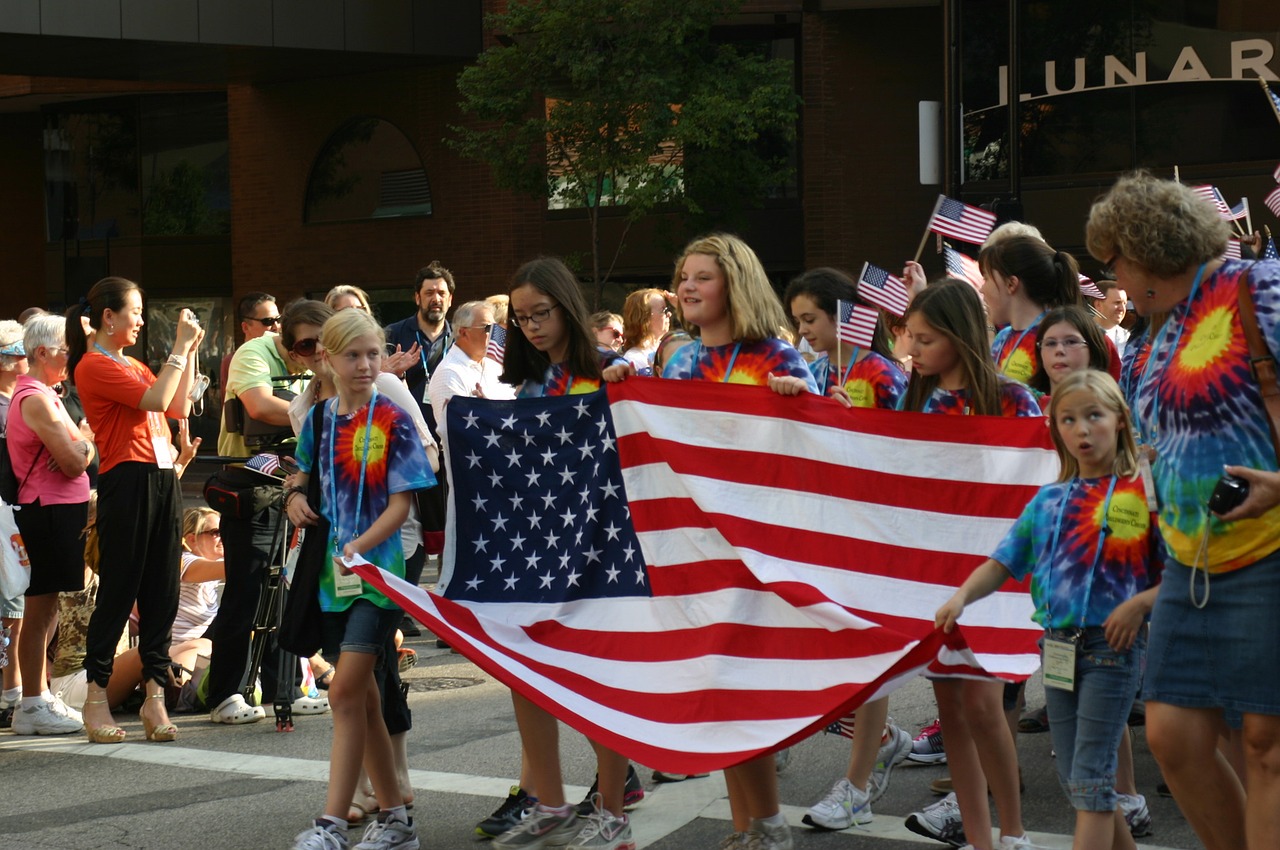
(112, 328)
(1151, 293)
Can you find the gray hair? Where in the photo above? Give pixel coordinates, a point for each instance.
(466, 313)
(45, 329)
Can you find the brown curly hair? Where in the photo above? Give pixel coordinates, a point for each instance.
(1159, 224)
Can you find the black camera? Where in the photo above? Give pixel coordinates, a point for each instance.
(1228, 494)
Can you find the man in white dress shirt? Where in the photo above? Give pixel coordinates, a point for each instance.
(1109, 313)
(465, 370)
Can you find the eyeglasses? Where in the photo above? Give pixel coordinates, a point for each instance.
(1109, 267)
(665, 311)
(1069, 344)
(268, 322)
(488, 329)
(612, 333)
(537, 317)
(306, 347)
(54, 351)
(213, 532)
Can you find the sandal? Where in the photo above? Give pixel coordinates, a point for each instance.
(108, 734)
(323, 680)
(159, 732)
(1034, 721)
(408, 659)
(363, 806)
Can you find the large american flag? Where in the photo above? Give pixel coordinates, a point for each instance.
(878, 287)
(782, 563)
(962, 267)
(961, 221)
(857, 324)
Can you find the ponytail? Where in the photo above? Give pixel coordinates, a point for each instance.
(107, 294)
(1049, 278)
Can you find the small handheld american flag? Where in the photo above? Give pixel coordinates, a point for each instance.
(883, 289)
(497, 342)
(961, 221)
(857, 325)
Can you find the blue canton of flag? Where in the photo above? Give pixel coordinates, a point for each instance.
(538, 511)
(1269, 250)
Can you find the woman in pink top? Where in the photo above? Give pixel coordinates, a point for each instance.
(49, 457)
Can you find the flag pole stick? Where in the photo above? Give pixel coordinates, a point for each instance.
(1176, 177)
(1271, 98)
(924, 240)
(1248, 220)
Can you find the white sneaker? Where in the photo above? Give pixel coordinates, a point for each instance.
(763, 836)
(66, 710)
(843, 806)
(892, 752)
(308, 705)
(234, 710)
(42, 719)
(1021, 842)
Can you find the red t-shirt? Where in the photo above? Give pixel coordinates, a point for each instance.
(111, 392)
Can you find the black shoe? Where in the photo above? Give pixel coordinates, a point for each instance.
(508, 815)
(632, 793)
(6, 717)
(409, 628)
(441, 643)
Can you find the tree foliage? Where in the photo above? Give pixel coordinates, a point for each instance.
(593, 103)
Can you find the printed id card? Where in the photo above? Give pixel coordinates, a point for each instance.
(1060, 664)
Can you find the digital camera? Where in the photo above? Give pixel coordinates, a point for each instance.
(1228, 494)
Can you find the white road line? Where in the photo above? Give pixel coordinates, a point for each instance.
(666, 808)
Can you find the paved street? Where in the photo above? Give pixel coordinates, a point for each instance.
(228, 788)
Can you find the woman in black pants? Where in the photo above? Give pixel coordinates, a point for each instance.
(139, 506)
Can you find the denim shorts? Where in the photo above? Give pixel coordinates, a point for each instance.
(1086, 724)
(13, 607)
(1225, 655)
(364, 627)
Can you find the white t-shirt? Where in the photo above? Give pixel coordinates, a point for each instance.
(197, 604)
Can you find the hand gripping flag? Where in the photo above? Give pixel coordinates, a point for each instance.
(961, 221)
(698, 573)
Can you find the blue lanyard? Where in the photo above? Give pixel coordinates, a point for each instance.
(1147, 379)
(121, 361)
(853, 361)
(1097, 555)
(425, 345)
(333, 469)
(697, 357)
(1035, 323)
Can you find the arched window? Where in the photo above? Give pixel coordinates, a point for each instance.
(367, 169)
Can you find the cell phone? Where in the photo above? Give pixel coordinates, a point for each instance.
(289, 465)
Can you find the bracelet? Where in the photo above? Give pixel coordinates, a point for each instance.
(177, 361)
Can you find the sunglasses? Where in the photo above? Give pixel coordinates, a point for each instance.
(268, 322)
(306, 347)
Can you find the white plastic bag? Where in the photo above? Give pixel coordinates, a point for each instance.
(15, 569)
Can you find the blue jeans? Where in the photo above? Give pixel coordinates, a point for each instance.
(1086, 724)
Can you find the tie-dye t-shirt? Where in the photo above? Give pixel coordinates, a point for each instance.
(1074, 585)
(558, 380)
(739, 363)
(874, 381)
(1199, 405)
(1015, 351)
(1015, 400)
(397, 463)
(1132, 364)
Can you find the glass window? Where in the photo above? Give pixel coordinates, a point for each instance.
(183, 157)
(367, 169)
(91, 173)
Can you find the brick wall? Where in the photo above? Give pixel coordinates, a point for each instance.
(481, 233)
(864, 73)
(22, 229)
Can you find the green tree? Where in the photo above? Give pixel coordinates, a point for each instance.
(596, 103)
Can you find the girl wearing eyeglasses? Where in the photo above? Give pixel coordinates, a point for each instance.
(1067, 341)
(552, 351)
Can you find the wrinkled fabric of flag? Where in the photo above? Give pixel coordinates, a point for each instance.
(695, 574)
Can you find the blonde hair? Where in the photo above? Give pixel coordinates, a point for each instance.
(755, 313)
(1104, 388)
(1010, 229)
(500, 304)
(345, 327)
(347, 289)
(195, 521)
(1159, 224)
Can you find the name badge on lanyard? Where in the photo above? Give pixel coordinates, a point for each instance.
(161, 445)
(1060, 664)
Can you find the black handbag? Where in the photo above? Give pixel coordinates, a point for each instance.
(301, 623)
(239, 492)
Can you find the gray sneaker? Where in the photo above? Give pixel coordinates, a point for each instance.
(541, 828)
(389, 835)
(843, 806)
(320, 837)
(941, 821)
(604, 832)
(762, 836)
(893, 752)
(43, 719)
